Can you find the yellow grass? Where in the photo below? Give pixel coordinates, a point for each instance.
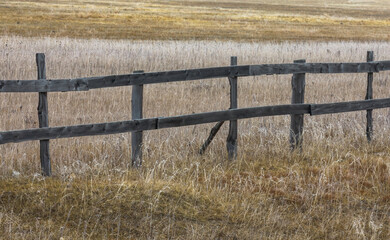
(338, 188)
(208, 20)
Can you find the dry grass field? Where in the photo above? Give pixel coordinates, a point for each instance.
(254, 20)
(337, 188)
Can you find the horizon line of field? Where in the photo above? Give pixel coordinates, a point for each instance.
(145, 124)
(88, 83)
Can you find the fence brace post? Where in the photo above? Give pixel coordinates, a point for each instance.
(369, 95)
(136, 113)
(231, 142)
(298, 96)
(43, 117)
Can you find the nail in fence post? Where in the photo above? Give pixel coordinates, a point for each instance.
(231, 142)
(136, 113)
(369, 95)
(43, 117)
(298, 96)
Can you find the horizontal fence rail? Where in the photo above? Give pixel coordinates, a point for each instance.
(85, 84)
(187, 120)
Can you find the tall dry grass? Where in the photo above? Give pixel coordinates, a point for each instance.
(336, 188)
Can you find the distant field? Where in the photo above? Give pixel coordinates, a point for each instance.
(207, 20)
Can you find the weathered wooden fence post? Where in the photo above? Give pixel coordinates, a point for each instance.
(43, 117)
(298, 96)
(231, 142)
(136, 113)
(369, 95)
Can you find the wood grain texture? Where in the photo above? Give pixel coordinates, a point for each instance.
(231, 141)
(148, 123)
(298, 96)
(369, 95)
(77, 130)
(84, 84)
(187, 120)
(136, 113)
(328, 108)
(232, 114)
(363, 67)
(43, 117)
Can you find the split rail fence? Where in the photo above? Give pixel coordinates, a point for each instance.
(296, 109)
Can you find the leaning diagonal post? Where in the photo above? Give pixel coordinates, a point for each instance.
(213, 132)
(369, 95)
(43, 117)
(298, 96)
(136, 113)
(231, 142)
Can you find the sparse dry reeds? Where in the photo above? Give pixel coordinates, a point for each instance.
(337, 188)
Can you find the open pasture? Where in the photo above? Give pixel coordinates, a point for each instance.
(199, 20)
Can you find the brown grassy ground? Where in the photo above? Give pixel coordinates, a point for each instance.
(338, 188)
(208, 20)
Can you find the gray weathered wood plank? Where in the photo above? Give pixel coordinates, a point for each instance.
(363, 67)
(77, 130)
(369, 95)
(43, 117)
(231, 141)
(298, 96)
(187, 120)
(148, 123)
(328, 108)
(232, 114)
(84, 84)
(60, 85)
(136, 113)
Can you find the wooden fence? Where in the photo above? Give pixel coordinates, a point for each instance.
(137, 79)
